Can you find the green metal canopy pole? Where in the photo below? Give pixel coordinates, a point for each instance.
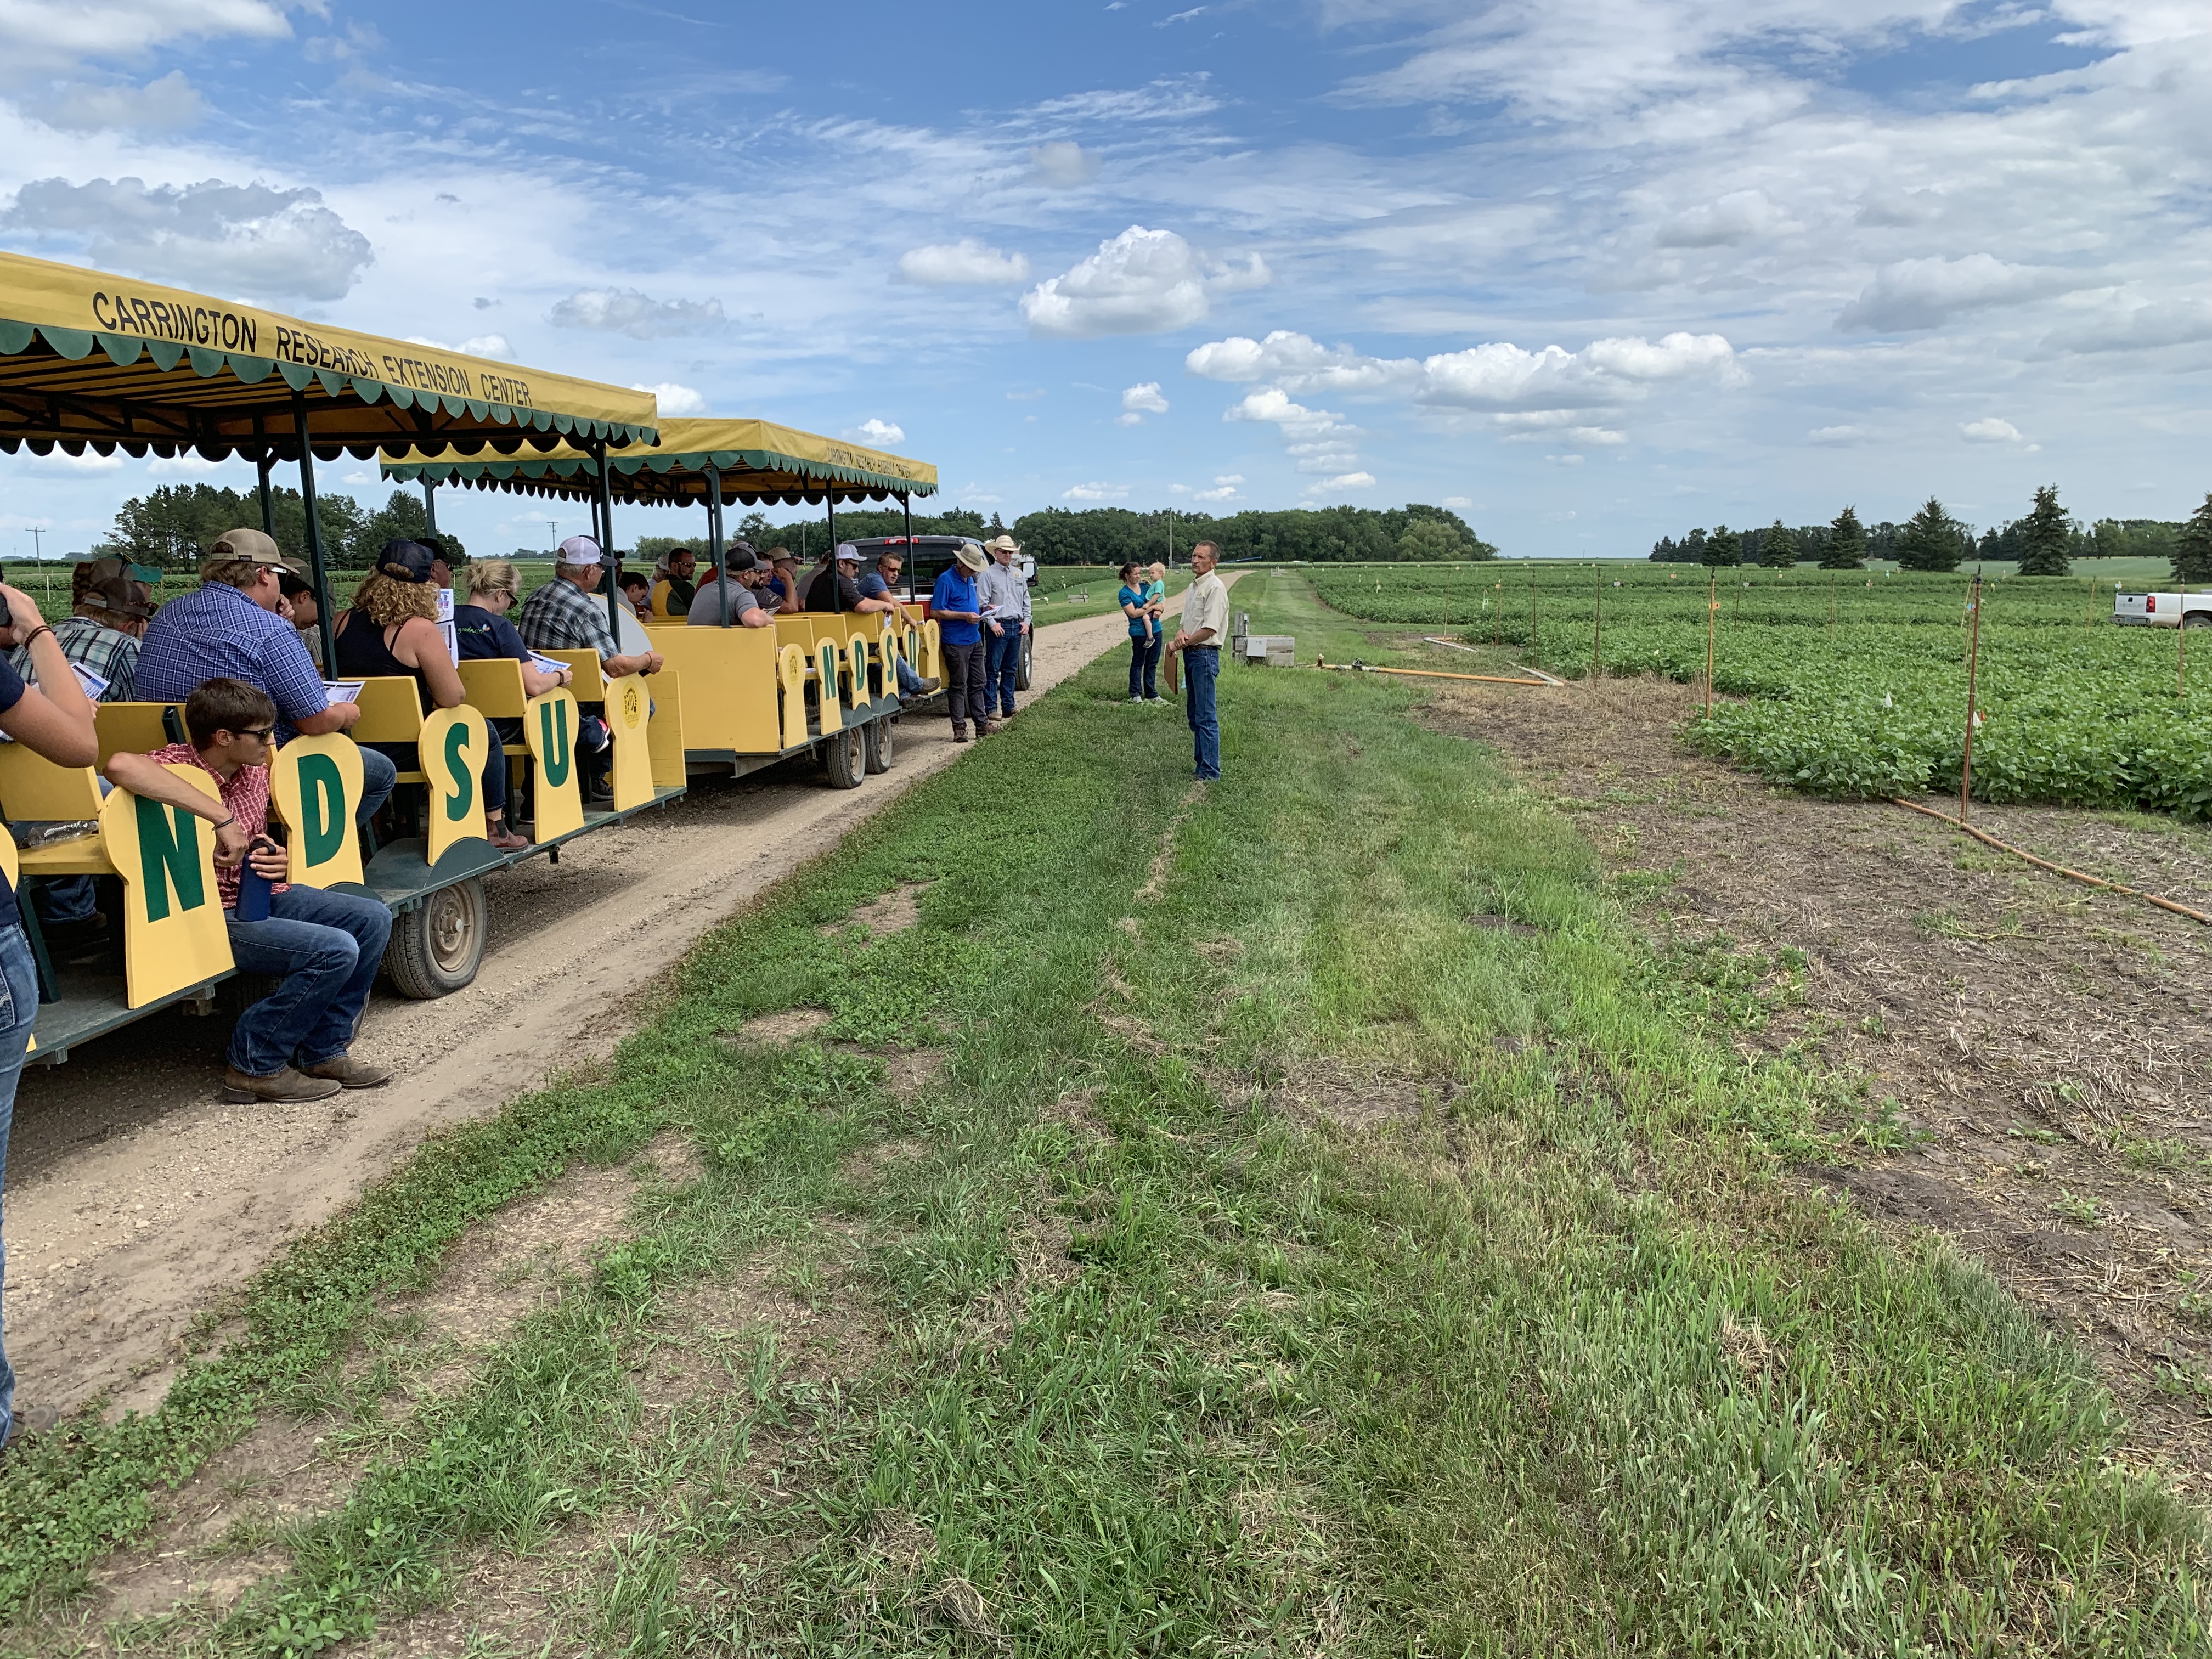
(829, 506)
(430, 505)
(906, 506)
(715, 539)
(610, 564)
(314, 536)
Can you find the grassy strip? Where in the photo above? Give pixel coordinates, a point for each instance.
(1525, 1342)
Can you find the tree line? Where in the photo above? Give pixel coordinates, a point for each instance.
(173, 526)
(1114, 535)
(2045, 543)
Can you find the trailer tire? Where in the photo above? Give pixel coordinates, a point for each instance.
(1021, 671)
(844, 757)
(437, 945)
(882, 742)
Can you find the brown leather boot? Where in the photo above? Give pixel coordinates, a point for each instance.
(350, 1073)
(285, 1087)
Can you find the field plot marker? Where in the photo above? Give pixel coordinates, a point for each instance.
(1974, 658)
(1712, 611)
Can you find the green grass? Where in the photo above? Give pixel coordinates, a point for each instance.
(1531, 1342)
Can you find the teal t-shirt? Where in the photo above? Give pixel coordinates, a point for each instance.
(1140, 627)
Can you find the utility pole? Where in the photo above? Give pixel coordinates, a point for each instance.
(38, 547)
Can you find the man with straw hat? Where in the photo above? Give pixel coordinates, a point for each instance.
(1005, 594)
(957, 612)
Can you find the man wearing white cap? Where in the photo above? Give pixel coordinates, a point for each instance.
(1006, 595)
(563, 615)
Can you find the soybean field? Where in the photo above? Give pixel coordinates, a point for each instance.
(1854, 683)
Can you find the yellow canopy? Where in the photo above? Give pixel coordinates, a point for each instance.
(758, 461)
(88, 359)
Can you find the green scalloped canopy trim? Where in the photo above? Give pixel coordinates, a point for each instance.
(76, 345)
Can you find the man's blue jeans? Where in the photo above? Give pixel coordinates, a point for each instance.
(19, 1006)
(378, 778)
(1201, 667)
(326, 947)
(1002, 665)
(909, 682)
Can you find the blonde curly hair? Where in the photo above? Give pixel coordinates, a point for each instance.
(385, 601)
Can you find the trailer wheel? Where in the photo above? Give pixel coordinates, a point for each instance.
(436, 947)
(882, 742)
(1022, 672)
(844, 754)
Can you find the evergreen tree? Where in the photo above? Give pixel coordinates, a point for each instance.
(2046, 536)
(1777, 547)
(1693, 548)
(1932, 540)
(1724, 547)
(1846, 548)
(2192, 548)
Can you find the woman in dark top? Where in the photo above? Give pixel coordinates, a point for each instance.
(392, 630)
(57, 725)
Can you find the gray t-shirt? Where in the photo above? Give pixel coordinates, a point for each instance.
(707, 606)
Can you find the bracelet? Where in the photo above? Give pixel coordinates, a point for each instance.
(228, 821)
(43, 627)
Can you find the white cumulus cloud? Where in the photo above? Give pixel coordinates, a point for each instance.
(1837, 435)
(161, 106)
(1140, 401)
(1742, 215)
(675, 401)
(638, 315)
(1095, 492)
(876, 433)
(966, 263)
(1062, 165)
(233, 239)
(1344, 481)
(1142, 282)
(479, 345)
(1991, 431)
(1319, 441)
(48, 33)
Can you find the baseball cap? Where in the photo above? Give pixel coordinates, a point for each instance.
(254, 546)
(118, 596)
(581, 550)
(440, 548)
(405, 561)
(848, 554)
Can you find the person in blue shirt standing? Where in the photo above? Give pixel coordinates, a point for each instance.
(957, 612)
(51, 718)
(1144, 641)
(882, 583)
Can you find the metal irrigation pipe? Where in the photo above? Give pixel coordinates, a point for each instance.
(1358, 667)
(1987, 839)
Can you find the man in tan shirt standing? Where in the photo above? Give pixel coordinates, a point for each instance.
(1198, 641)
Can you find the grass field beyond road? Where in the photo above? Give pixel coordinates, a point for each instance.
(1293, 1215)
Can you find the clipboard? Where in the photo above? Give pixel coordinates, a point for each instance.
(1173, 667)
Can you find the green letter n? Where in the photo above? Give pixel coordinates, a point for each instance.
(322, 803)
(168, 850)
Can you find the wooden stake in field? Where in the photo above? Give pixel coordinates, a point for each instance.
(1497, 621)
(1832, 581)
(1712, 611)
(1532, 610)
(2181, 650)
(1597, 633)
(1973, 662)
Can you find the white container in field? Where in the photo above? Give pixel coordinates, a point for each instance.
(1270, 650)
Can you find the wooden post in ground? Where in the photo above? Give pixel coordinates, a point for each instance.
(1712, 610)
(1973, 662)
(1597, 632)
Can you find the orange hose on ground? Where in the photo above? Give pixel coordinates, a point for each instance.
(2045, 864)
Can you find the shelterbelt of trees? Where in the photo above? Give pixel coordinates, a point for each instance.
(174, 524)
(2045, 543)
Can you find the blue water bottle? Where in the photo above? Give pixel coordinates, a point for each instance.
(253, 886)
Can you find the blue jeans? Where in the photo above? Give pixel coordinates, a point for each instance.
(909, 683)
(63, 900)
(1144, 665)
(326, 947)
(1002, 665)
(378, 776)
(1201, 667)
(19, 1007)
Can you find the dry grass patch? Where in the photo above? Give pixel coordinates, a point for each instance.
(786, 1025)
(891, 913)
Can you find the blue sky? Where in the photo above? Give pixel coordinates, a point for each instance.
(1590, 270)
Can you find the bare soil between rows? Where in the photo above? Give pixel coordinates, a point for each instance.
(2043, 1044)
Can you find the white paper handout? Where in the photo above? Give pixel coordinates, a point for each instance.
(338, 691)
(93, 683)
(545, 665)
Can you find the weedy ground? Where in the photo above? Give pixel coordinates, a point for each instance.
(1092, 1214)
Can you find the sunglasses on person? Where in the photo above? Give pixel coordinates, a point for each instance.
(260, 733)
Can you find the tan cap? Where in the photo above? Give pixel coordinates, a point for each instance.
(1002, 545)
(971, 557)
(254, 546)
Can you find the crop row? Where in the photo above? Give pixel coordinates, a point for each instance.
(1876, 705)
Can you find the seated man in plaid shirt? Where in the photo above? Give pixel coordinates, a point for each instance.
(564, 615)
(101, 636)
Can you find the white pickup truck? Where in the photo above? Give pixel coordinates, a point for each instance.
(2162, 610)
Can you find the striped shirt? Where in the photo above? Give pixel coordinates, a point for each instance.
(1002, 584)
(560, 616)
(105, 651)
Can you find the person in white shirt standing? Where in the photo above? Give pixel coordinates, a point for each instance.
(1198, 641)
(1006, 595)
